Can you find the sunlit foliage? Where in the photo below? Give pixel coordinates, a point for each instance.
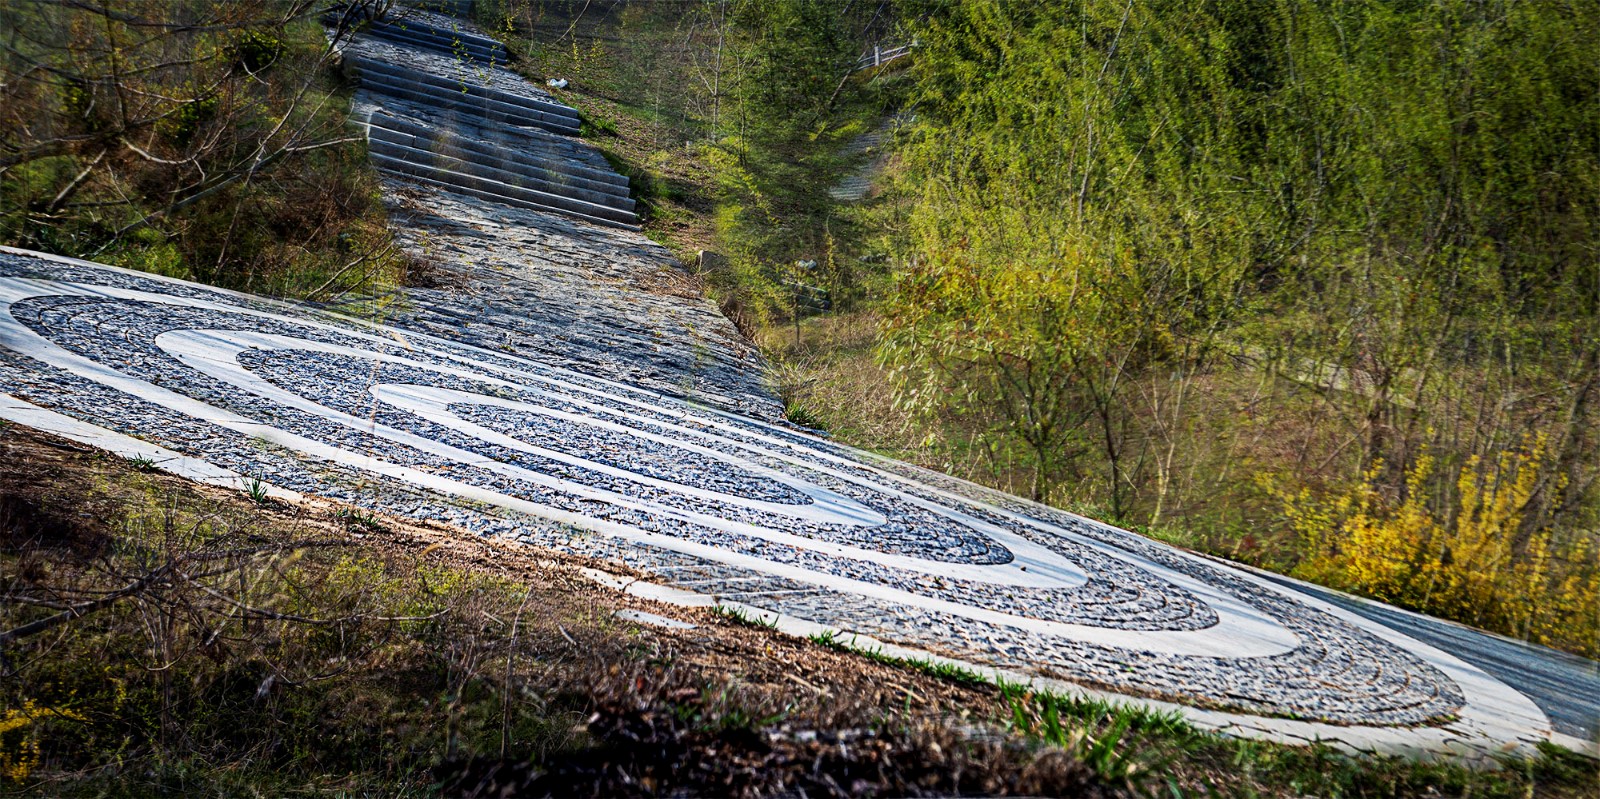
(1474, 561)
(1153, 251)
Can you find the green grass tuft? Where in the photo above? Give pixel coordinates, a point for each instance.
(746, 618)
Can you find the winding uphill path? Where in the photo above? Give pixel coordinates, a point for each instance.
(568, 388)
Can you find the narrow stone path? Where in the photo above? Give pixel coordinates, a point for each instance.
(870, 145)
(441, 110)
(567, 386)
(531, 231)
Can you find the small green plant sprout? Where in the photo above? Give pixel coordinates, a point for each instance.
(747, 618)
(257, 491)
(827, 638)
(140, 463)
(1115, 740)
(950, 672)
(357, 519)
(938, 669)
(797, 412)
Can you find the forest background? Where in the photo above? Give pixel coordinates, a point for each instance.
(1309, 285)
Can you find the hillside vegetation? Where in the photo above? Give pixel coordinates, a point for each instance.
(1315, 283)
(198, 140)
(1309, 286)
(1314, 286)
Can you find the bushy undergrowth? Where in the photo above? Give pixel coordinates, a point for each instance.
(239, 654)
(1266, 240)
(203, 141)
(1484, 566)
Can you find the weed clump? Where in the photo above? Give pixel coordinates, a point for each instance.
(655, 743)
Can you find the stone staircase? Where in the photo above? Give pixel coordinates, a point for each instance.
(449, 40)
(439, 111)
(870, 146)
(447, 94)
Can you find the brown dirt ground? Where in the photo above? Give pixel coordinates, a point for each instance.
(804, 717)
(45, 470)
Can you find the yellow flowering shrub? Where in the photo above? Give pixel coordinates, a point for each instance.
(1472, 562)
(19, 753)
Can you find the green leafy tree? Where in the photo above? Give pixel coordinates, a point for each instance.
(1073, 225)
(791, 106)
(1151, 252)
(205, 140)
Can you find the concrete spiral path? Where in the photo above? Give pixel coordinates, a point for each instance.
(565, 386)
(720, 506)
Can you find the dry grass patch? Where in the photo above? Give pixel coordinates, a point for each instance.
(218, 645)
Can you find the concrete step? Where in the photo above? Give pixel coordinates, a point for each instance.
(408, 172)
(419, 33)
(592, 200)
(394, 33)
(529, 170)
(436, 97)
(548, 156)
(546, 106)
(449, 8)
(440, 92)
(467, 55)
(448, 34)
(851, 189)
(477, 80)
(499, 189)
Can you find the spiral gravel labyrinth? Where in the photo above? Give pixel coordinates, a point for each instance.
(706, 500)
